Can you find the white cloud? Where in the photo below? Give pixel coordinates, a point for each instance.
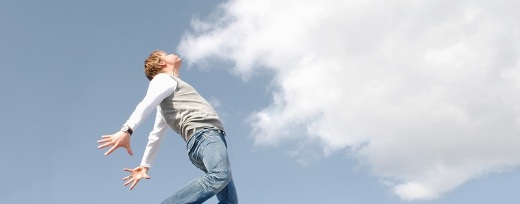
(426, 94)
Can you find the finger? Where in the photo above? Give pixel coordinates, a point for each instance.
(127, 177)
(111, 150)
(133, 185)
(129, 150)
(128, 182)
(104, 140)
(145, 175)
(104, 137)
(127, 169)
(105, 145)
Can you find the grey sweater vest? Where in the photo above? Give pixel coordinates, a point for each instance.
(185, 110)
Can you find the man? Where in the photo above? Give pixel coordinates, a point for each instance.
(180, 107)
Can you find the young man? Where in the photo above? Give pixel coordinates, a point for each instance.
(180, 107)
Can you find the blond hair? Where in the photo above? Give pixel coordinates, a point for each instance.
(151, 64)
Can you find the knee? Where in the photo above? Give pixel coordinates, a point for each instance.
(223, 178)
(226, 177)
(220, 180)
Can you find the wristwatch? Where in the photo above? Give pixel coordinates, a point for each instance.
(127, 129)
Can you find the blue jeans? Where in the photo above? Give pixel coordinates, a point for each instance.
(207, 149)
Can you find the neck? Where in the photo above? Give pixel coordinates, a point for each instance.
(173, 72)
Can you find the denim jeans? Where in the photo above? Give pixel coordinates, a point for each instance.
(207, 149)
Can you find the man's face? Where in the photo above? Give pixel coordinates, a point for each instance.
(171, 59)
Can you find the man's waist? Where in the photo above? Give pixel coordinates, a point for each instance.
(192, 131)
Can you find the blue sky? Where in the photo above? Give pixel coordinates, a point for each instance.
(331, 102)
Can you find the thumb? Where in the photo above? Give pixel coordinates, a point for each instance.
(145, 175)
(129, 150)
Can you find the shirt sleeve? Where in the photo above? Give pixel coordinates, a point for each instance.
(154, 139)
(160, 87)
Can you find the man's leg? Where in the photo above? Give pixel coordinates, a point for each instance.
(228, 195)
(208, 152)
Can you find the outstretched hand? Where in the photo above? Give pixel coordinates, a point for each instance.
(135, 175)
(116, 140)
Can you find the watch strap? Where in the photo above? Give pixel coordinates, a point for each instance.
(127, 129)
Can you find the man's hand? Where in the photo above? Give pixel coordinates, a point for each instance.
(116, 140)
(135, 175)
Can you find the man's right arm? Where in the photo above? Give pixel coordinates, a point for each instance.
(160, 87)
(154, 139)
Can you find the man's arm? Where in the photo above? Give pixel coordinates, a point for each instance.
(154, 139)
(161, 86)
